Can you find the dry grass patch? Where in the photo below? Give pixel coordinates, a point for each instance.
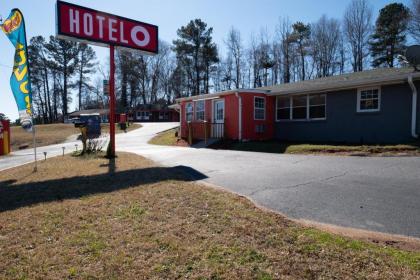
(168, 138)
(89, 218)
(412, 149)
(49, 134)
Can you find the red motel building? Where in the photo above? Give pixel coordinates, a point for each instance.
(237, 114)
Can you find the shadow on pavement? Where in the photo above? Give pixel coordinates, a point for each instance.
(21, 195)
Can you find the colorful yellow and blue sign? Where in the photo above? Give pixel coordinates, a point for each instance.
(14, 28)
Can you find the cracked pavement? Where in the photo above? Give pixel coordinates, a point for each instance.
(373, 193)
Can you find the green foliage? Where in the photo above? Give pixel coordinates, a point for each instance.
(390, 34)
(3, 117)
(196, 53)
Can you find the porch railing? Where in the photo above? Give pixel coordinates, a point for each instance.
(204, 130)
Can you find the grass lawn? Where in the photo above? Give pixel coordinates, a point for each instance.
(168, 138)
(296, 148)
(49, 134)
(89, 218)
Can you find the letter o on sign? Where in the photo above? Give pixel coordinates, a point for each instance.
(140, 29)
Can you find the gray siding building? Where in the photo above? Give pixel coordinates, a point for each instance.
(367, 107)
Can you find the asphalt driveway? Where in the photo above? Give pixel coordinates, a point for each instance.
(375, 193)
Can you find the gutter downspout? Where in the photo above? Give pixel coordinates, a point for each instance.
(239, 116)
(414, 107)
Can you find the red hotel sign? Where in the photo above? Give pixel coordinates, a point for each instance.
(84, 24)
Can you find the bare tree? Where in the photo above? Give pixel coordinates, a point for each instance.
(284, 31)
(325, 45)
(357, 25)
(234, 45)
(414, 26)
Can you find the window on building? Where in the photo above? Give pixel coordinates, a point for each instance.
(283, 108)
(299, 107)
(304, 107)
(259, 108)
(368, 100)
(199, 110)
(161, 115)
(189, 112)
(317, 106)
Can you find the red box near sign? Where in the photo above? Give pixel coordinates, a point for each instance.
(83, 24)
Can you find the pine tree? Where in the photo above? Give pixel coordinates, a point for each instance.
(85, 66)
(196, 51)
(64, 53)
(390, 34)
(300, 36)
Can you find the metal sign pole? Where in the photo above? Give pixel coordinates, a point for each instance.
(112, 101)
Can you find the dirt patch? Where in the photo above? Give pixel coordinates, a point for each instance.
(411, 149)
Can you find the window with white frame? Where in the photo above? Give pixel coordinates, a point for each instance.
(283, 108)
(368, 100)
(199, 110)
(299, 107)
(259, 108)
(302, 107)
(317, 106)
(189, 112)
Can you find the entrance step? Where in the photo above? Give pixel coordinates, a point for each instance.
(203, 144)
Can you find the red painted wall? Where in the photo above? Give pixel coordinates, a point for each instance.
(249, 125)
(3, 139)
(232, 118)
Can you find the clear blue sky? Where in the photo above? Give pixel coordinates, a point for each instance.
(249, 16)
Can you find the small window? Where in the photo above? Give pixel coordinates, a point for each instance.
(283, 108)
(299, 105)
(259, 108)
(199, 110)
(161, 115)
(317, 106)
(368, 100)
(189, 112)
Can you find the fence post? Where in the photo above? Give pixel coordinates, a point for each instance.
(224, 128)
(189, 133)
(205, 131)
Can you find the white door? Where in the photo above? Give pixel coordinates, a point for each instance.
(218, 119)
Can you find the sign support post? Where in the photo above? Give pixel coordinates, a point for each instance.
(112, 99)
(82, 24)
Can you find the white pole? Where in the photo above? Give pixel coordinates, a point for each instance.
(34, 143)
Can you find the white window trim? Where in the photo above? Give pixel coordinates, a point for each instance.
(359, 95)
(195, 110)
(308, 119)
(261, 97)
(186, 112)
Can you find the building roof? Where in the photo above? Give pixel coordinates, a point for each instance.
(219, 94)
(346, 81)
(89, 111)
(375, 77)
